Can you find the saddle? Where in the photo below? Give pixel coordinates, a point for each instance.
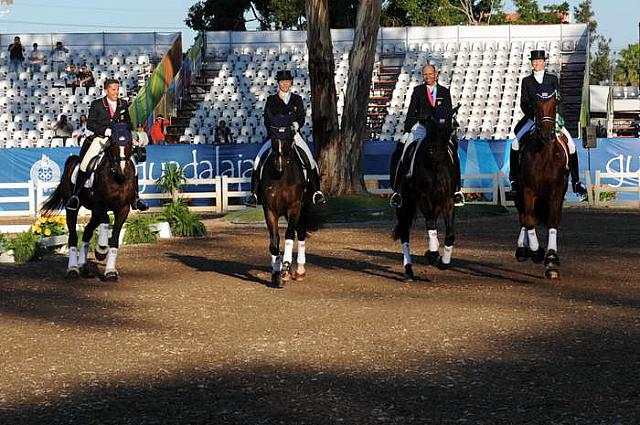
(91, 171)
(299, 155)
(412, 150)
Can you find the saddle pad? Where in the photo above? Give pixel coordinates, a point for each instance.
(74, 177)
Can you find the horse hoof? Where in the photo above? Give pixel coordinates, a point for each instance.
(408, 273)
(299, 277)
(276, 280)
(73, 273)
(552, 259)
(537, 256)
(552, 273)
(286, 272)
(432, 257)
(111, 276)
(441, 265)
(101, 255)
(522, 253)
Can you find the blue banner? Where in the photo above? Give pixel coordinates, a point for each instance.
(207, 161)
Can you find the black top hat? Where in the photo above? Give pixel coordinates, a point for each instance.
(284, 75)
(538, 54)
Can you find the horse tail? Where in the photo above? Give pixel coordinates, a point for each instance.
(55, 201)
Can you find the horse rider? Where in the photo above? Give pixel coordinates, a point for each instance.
(106, 114)
(530, 85)
(429, 99)
(288, 105)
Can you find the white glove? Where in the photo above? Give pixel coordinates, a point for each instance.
(296, 126)
(405, 136)
(107, 132)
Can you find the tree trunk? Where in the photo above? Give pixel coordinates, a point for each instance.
(340, 153)
(326, 135)
(356, 101)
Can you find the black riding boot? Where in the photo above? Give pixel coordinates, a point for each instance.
(252, 200)
(576, 184)
(138, 204)
(314, 181)
(514, 170)
(458, 197)
(74, 202)
(396, 176)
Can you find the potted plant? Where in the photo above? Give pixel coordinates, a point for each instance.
(52, 231)
(172, 180)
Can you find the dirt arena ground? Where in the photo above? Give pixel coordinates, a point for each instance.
(191, 334)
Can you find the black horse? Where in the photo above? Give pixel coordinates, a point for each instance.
(544, 180)
(114, 188)
(429, 188)
(284, 193)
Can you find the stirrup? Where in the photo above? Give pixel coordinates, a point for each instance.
(515, 187)
(395, 200)
(458, 199)
(73, 203)
(579, 188)
(319, 198)
(251, 201)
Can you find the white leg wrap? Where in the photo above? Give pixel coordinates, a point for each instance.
(82, 255)
(406, 254)
(533, 240)
(262, 150)
(446, 256)
(103, 235)
(299, 142)
(433, 240)
(302, 259)
(552, 243)
(523, 238)
(276, 265)
(112, 256)
(73, 258)
(570, 143)
(288, 251)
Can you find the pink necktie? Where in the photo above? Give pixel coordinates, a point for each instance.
(112, 111)
(430, 96)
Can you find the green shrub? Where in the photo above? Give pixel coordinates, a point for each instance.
(138, 229)
(183, 222)
(172, 180)
(92, 243)
(24, 246)
(3, 243)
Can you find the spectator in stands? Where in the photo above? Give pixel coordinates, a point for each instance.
(106, 115)
(82, 78)
(82, 131)
(36, 59)
(63, 127)
(539, 79)
(286, 109)
(429, 99)
(16, 55)
(158, 130)
(72, 76)
(222, 133)
(140, 137)
(59, 57)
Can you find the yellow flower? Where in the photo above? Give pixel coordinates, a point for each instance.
(47, 232)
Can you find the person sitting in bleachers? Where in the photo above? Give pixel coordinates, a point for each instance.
(222, 133)
(82, 131)
(72, 76)
(62, 127)
(59, 57)
(16, 55)
(36, 59)
(83, 78)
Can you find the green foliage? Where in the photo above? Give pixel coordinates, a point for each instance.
(183, 222)
(217, 15)
(601, 64)
(172, 180)
(583, 14)
(3, 243)
(138, 229)
(93, 242)
(627, 66)
(24, 246)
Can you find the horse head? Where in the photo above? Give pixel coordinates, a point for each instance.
(120, 149)
(545, 107)
(281, 143)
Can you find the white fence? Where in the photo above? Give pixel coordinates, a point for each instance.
(224, 193)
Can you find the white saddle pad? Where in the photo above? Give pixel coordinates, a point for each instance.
(74, 177)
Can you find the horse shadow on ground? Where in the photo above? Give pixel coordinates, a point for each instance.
(367, 267)
(484, 269)
(234, 269)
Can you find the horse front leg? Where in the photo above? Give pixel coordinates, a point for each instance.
(110, 271)
(402, 231)
(432, 254)
(102, 247)
(529, 221)
(301, 233)
(87, 234)
(274, 248)
(552, 260)
(289, 236)
(450, 236)
(73, 268)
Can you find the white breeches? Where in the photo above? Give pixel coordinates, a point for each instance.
(515, 144)
(418, 132)
(298, 141)
(97, 145)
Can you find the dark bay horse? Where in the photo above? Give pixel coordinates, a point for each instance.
(543, 179)
(283, 193)
(114, 188)
(431, 189)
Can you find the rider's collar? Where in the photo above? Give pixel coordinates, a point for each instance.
(284, 96)
(539, 76)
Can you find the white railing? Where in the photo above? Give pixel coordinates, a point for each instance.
(224, 193)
